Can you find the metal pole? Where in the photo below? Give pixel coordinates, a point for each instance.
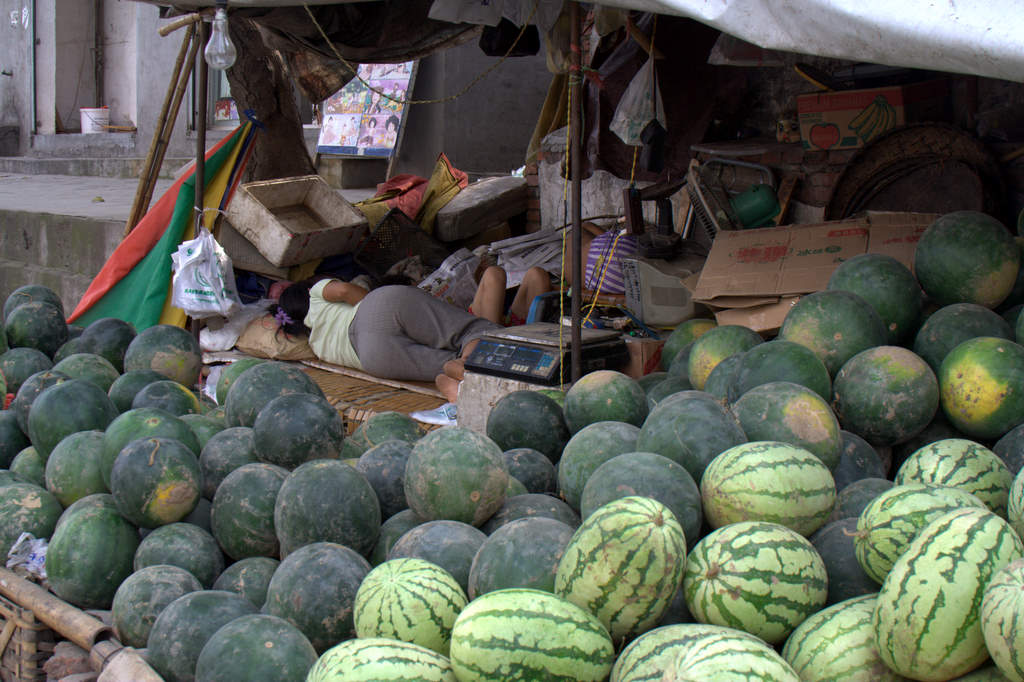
(203, 70)
(576, 160)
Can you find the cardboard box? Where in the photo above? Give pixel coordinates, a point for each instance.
(753, 277)
(292, 221)
(644, 356)
(849, 118)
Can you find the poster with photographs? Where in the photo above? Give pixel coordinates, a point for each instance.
(365, 117)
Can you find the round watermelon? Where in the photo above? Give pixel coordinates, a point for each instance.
(38, 325)
(184, 545)
(272, 648)
(65, 408)
(852, 499)
(185, 625)
(886, 395)
(29, 466)
(384, 468)
(588, 449)
(1001, 611)
(411, 600)
(231, 372)
(26, 508)
(30, 390)
(378, 428)
(857, 460)
(249, 578)
(144, 422)
(155, 481)
(392, 529)
(73, 469)
(721, 378)
(90, 367)
(953, 324)
(846, 579)
(529, 505)
(787, 412)
(455, 473)
(166, 395)
(203, 427)
(12, 439)
(605, 395)
(716, 345)
(528, 419)
(31, 293)
(375, 659)
(314, 588)
(779, 360)
(982, 386)
(729, 650)
(297, 428)
(532, 468)
(110, 337)
(888, 285)
(522, 553)
(18, 364)
(91, 552)
(122, 392)
(143, 595)
(960, 464)
(223, 453)
(167, 349)
(261, 383)
(685, 333)
(448, 544)
(242, 514)
(836, 325)
(71, 347)
(967, 257)
(668, 387)
(326, 500)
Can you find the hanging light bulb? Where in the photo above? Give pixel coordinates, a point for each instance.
(220, 51)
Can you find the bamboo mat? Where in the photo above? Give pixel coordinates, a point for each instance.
(358, 398)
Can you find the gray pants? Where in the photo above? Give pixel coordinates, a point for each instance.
(402, 332)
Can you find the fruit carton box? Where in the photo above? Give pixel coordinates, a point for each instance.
(850, 118)
(753, 277)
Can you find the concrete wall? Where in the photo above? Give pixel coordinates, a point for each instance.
(121, 38)
(15, 89)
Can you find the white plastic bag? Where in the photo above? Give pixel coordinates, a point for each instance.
(204, 280)
(640, 104)
(29, 554)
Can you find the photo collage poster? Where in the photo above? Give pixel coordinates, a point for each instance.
(358, 120)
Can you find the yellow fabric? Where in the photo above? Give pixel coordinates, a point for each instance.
(213, 192)
(375, 208)
(441, 188)
(303, 271)
(552, 115)
(329, 323)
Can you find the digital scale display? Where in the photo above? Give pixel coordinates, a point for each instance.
(532, 353)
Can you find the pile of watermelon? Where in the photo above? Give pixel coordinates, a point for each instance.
(842, 502)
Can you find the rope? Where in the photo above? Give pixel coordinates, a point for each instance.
(483, 74)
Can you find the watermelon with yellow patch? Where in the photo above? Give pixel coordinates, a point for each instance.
(981, 385)
(155, 481)
(716, 345)
(685, 333)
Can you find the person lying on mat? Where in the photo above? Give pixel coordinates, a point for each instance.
(393, 332)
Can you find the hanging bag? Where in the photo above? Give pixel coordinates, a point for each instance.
(204, 279)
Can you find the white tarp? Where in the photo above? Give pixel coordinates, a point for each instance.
(981, 37)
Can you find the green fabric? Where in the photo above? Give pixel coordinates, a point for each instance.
(139, 296)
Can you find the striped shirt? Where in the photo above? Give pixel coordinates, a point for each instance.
(603, 258)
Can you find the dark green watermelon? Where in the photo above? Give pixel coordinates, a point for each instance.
(379, 427)
(143, 595)
(529, 505)
(12, 439)
(650, 380)
(223, 453)
(522, 553)
(261, 383)
(326, 500)
(65, 408)
(204, 428)
(144, 422)
(110, 337)
(122, 392)
(91, 552)
(296, 428)
(716, 345)
(36, 325)
(836, 325)
(532, 468)
(185, 625)
(780, 360)
(73, 470)
(528, 419)
(604, 395)
(858, 459)
(169, 350)
(852, 499)
(249, 578)
(26, 508)
(384, 467)
(272, 648)
(155, 481)
(31, 293)
(967, 257)
(684, 334)
(90, 367)
(449, 544)
(846, 579)
(72, 347)
(666, 388)
(1010, 449)
(953, 324)
(690, 428)
(231, 372)
(938, 429)
(314, 588)
(588, 449)
(30, 390)
(679, 366)
(242, 514)
(184, 545)
(721, 377)
(392, 529)
(166, 395)
(18, 364)
(888, 285)
(28, 466)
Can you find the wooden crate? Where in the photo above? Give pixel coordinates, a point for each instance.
(25, 642)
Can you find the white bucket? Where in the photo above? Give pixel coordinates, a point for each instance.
(95, 120)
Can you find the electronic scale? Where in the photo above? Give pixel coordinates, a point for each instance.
(531, 352)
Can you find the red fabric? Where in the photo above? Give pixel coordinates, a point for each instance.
(408, 191)
(139, 241)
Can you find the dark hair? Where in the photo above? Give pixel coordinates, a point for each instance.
(292, 305)
(392, 119)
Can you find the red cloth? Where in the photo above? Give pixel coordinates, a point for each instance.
(409, 191)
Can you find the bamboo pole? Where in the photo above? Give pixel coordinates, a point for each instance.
(144, 192)
(575, 143)
(56, 614)
(187, 20)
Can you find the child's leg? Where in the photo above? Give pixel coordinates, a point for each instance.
(490, 295)
(535, 282)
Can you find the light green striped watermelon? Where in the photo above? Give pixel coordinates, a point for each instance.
(928, 618)
(768, 481)
(1015, 506)
(624, 564)
(411, 600)
(838, 643)
(376, 659)
(1002, 613)
(647, 657)
(729, 655)
(755, 576)
(523, 634)
(892, 520)
(963, 464)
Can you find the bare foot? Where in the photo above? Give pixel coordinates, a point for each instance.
(456, 369)
(448, 386)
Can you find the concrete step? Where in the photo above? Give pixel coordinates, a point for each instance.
(86, 166)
